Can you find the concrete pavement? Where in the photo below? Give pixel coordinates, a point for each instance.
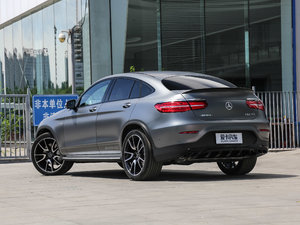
(196, 194)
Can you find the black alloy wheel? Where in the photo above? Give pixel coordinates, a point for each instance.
(46, 156)
(241, 167)
(137, 158)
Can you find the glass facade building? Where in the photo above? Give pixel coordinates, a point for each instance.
(31, 54)
(247, 42)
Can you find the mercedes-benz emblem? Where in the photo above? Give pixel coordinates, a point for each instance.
(228, 105)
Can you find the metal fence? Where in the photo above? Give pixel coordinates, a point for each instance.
(15, 122)
(282, 112)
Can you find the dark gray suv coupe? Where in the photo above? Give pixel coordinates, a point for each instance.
(144, 120)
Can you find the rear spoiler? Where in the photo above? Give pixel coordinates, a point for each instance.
(218, 90)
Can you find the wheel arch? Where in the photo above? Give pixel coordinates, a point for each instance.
(42, 131)
(47, 129)
(135, 125)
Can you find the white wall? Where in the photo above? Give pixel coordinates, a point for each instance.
(12, 8)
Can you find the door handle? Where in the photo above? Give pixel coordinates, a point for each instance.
(127, 105)
(93, 109)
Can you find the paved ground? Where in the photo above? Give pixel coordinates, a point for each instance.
(197, 194)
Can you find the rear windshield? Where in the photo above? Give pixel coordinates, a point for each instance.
(193, 82)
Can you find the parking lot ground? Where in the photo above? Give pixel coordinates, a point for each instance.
(196, 194)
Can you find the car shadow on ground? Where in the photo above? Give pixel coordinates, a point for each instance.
(181, 175)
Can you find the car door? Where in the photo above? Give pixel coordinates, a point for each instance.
(80, 124)
(114, 113)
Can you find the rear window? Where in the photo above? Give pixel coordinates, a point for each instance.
(193, 82)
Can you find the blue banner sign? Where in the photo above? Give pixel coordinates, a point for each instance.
(45, 106)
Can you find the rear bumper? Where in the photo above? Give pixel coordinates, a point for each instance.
(205, 148)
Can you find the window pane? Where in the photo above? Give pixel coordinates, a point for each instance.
(71, 13)
(86, 44)
(72, 20)
(265, 44)
(95, 94)
(28, 53)
(49, 51)
(9, 61)
(63, 80)
(224, 40)
(141, 41)
(38, 52)
(182, 35)
(1, 62)
(135, 93)
(121, 89)
(20, 84)
(146, 90)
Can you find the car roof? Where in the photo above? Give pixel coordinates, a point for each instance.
(165, 74)
(160, 75)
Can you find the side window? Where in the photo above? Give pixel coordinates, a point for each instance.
(121, 89)
(95, 94)
(135, 92)
(146, 90)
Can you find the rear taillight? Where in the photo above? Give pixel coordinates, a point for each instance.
(256, 104)
(197, 104)
(180, 106)
(264, 130)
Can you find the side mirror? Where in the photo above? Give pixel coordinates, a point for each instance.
(71, 104)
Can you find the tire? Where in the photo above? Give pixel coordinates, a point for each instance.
(241, 167)
(46, 157)
(137, 158)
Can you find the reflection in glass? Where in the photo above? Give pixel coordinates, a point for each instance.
(72, 14)
(161, 34)
(28, 56)
(9, 60)
(182, 32)
(49, 51)
(20, 83)
(38, 51)
(265, 44)
(73, 19)
(31, 55)
(224, 40)
(84, 21)
(1, 63)
(141, 41)
(63, 81)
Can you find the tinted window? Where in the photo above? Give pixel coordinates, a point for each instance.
(192, 82)
(121, 89)
(95, 94)
(135, 92)
(146, 90)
